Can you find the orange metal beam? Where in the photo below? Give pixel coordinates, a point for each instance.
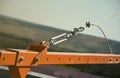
(27, 58)
(7, 57)
(19, 61)
(18, 72)
(79, 58)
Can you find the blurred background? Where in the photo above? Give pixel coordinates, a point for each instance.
(24, 22)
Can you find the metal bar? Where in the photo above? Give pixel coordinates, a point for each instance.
(18, 72)
(57, 42)
(19, 64)
(58, 36)
(79, 58)
(7, 57)
(23, 58)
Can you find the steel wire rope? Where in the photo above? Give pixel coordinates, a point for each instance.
(107, 42)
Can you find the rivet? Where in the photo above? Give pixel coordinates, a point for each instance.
(37, 59)
(21, 59)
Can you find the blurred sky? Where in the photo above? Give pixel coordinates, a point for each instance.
(67, 14)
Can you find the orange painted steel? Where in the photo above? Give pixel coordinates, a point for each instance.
(19, 61)
(18, 72)
(79, 58)
(7, 57)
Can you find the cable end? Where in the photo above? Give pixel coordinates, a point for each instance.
(88, 24)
